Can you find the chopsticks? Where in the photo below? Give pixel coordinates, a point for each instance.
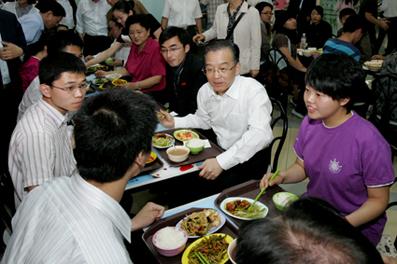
(274, 176)
(201, 258)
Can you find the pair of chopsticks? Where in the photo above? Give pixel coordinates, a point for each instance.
(272, 178)
(201, 258)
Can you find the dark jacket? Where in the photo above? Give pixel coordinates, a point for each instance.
(384, 89)
(183, 83)
(317, 35)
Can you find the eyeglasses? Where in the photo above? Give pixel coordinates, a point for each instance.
(72, 89)
(221, 70)
(170, 50)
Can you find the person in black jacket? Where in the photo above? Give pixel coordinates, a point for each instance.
(300, 9)
(12, 47)
(319, 31)
(184, 70)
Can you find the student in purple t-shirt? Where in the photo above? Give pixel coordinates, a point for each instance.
(346, 159)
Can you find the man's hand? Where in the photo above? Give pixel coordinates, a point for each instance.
(264, 183)
(210, 169)
(147, 215)
(101, 73)
(199, 38)
(384, 24)
(10, 51)
(166, 119)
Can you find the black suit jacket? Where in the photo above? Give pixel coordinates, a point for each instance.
(302, 14)
(11, 31)
(182, 91)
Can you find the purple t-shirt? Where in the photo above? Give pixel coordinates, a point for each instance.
(342, 162)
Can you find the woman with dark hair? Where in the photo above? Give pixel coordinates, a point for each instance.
(266, 13)
(319, 31)
(20, 7)
(144, 64)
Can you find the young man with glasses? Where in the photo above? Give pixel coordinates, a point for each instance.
(184, 70)
(238, 110)
(41, 147)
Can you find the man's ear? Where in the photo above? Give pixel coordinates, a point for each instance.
(237, 68)
(45, 90)
(344, 101)
(187, 48)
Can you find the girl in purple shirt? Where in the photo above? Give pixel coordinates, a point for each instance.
(347, 161)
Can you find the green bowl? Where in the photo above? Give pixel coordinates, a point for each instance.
(283, 199)
(195, 145)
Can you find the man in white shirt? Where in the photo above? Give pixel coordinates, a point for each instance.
(34, 23)
(238, 110)
(91, 23)
(79, 219)
(40, 146)
(184, 14)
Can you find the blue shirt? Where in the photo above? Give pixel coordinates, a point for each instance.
(32, 26)
(342, 47)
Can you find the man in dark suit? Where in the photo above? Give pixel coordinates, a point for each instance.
(184, 70)
(11, 48)
(301, 9)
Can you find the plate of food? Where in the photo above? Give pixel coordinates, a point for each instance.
(119, 82)
(201, 223)
(373, 65)
(92, 69)
(162, 140)
(211, 248)
(152, 157)
(239, 207)
(185, 134)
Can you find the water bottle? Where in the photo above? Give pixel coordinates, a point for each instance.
(303, 43)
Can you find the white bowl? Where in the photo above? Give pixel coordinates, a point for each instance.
(232, 251)
(169, 233)
(178, 153)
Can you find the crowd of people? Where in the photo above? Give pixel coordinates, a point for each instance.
(218, 76)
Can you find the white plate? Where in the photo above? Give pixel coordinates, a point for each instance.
(171, 138)
(212, 230)
(230, 199)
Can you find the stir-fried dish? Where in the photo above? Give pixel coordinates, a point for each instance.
(152, 157)
(199, 223)
(213, 248)
(184, 135)
(242, 208)
(162, 140)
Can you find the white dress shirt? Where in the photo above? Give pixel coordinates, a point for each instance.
(30, 97)
(40, 148)
(247, 34)
(68, 19)
(68, 221)
(389, 8)
(240, 119)
(181, 13)
(91, 17)
(32, 26)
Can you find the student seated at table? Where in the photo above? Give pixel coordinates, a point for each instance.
(78, 219)
(40, 147)
(319, 31)
(310, 231)
(346, 159)
(65, 41)
(184, 70)
(353, 31)
(343, 15)
(238, 110)
(145, 64)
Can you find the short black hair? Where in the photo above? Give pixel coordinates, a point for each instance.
(171, 32)
(310, 231)
(346, 12)
(50, 5)
(124, 6)
(52, 66)
(110, 131)
(61, 39)
(338, 76)
(319, 9)
(261, 5)
(219, 44)
(353, 23)
(142, 19)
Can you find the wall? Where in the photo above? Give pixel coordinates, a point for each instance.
(155, 7)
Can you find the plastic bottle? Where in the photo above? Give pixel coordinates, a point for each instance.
(303, 43)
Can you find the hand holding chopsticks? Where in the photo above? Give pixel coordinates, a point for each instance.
(273, 177)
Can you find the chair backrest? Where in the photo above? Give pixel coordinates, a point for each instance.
(279, 117)
(277, 58)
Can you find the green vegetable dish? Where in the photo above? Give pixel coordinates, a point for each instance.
(162, 140)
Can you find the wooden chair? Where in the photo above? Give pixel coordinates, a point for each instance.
(279, 116)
